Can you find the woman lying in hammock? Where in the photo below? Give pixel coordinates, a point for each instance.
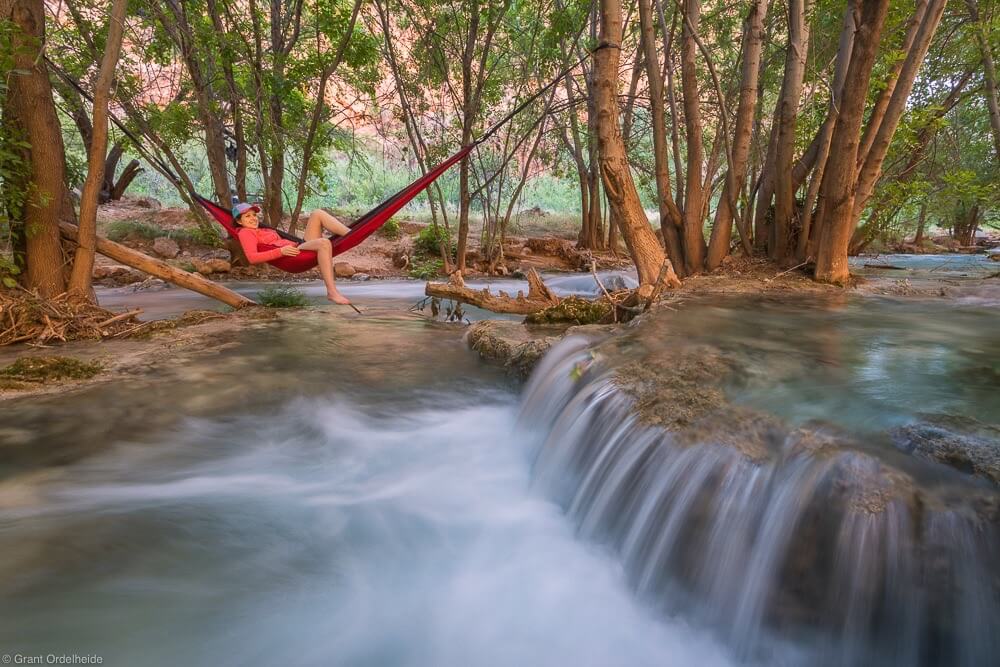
(251, 235)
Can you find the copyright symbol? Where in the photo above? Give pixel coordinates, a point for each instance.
(6, 659)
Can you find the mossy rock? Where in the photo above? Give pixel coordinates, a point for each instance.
(573, 310)
(44, 369)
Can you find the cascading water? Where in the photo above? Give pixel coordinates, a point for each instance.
(818, 544)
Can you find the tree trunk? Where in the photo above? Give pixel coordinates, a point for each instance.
(805, 247)
(670, 215)
(989, 74)
(871, 167)
(160, 269)
(125, 179)
(83, 262)
(840, 180)
(791, 91)
(623, 199)
(918, 238)
(881, 104)
(694, 236)
(32, 109)
(722, 229)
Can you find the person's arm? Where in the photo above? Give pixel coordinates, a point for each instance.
(248, 240)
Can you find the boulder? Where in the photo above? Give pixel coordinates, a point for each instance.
(218, 265)
(207, 267)
(148, 202)
(518, 347)
(117, 274)
(361, 276)
(166, 247)
(343, 270)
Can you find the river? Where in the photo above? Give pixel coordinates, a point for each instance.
(343, 490)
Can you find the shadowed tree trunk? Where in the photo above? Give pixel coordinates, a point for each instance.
(83, 261)
(623, 199)
(989, 74)
(722, 229)
(791, 91)
(840, 180)
(31, 110)
(670, 215)
(694, 237)
(806, 248)
(870, 164)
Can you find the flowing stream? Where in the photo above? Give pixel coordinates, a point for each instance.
(342, 490)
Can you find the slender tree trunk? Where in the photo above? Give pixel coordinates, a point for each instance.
(881, 104)
(675, 142)
(871, 166)
(633, 86)
(805, 248)
(670, 215)
(32, 109)
(623, 199)
(795, 68)
(722, 229)
(83, 262)
(694, 236)
(308, 148)
(918, 238)
(989, 74)
(840, 180)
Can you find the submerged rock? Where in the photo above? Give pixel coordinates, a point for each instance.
(962, 443)
(518, 347)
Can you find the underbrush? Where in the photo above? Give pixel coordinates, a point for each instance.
(282, 296)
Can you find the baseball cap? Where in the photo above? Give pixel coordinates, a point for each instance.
(242, 208)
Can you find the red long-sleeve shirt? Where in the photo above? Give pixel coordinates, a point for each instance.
(252, 238)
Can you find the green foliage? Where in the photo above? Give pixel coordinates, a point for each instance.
(119, 230)
(573, 310)
(430, 238)
(426, 268)
(391, 229)
(200, 235)
(8, 272)
(282, 296)
(14, 188)
(43, 369)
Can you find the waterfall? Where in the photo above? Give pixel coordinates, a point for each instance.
(829, 547)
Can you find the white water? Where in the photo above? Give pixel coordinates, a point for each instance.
(320, 534)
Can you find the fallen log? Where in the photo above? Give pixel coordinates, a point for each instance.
(161, 269)
(539, 295)
(892, 267)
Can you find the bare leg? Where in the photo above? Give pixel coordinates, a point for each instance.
(325, 262)
(320, 220)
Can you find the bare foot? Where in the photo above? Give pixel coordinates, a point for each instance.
(337, 297)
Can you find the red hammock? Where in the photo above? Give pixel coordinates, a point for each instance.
(361, 228)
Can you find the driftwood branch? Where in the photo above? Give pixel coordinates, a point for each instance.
(539, 295)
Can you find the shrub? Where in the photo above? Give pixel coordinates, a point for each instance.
(282, 296)
(426, 269)
(391, 229)
(430, 238)
(119, 230)
(200, 235)
(8, 270)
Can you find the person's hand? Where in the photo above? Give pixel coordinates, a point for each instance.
(289, 250)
